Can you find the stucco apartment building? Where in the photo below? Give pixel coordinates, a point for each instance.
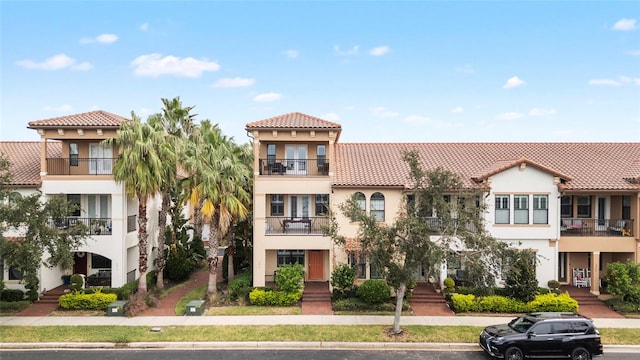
(70, 159)
(576, 204)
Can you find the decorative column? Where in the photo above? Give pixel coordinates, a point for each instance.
(595, 272)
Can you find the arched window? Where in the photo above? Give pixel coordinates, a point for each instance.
(377, 206)
(361, 200)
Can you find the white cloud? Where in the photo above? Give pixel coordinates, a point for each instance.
(467, 69)
(292, 54)
(383, 113)
(624, 25)
(331, 117)
(457, 109)
(61, 109)
(379, 51)
(634, 52)
(156, 65)
(267, 97)
(233, 82)
(144, 27)
(56, 62)
(425, 120)
(349, 52)
(541, 112)
(509, 116)
(103, 39)
(513, 82)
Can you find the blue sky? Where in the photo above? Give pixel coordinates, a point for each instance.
(386, 71)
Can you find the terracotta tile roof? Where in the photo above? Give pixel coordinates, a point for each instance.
(293, 120)
(25, 160)
(587, 166)
(632, 173)
(97, 118)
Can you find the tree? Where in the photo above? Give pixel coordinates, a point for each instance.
(218, 187)
(176, 124)
(140, 168)
(521, 282)
(36, 242)
(429, 229)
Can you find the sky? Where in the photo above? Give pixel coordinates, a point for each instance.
(401, 71)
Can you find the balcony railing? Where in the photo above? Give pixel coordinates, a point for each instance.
(80, 166)
(296, 226)
(93, 226)
(298, 167)
(595, 227)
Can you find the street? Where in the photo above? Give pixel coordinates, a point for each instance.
(320, 354)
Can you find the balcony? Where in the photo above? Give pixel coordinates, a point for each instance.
(279, 225)
(595, 227)
(80, 166)
(299, 167)
(93, 226)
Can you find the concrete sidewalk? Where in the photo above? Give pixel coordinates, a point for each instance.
(278, 320)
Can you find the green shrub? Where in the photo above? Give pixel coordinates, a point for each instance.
(622, 306)
(13, 306)
(355, 304)
(81, 301)
(374, 291)
(494, 303)
(463, 303)
(343, 277)
(521, 282)
(240, 286)
(553, 302)
(501, 304)
(449, 284)
(542, 291)
(261, 297)
(553, 284)
(11, 295)
(76, 282)
(290, 278)
(623, 279)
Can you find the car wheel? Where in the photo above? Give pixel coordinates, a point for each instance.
(580, 354)
(513, 353)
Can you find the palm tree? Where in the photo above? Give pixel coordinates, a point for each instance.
(219, 188)
(176, 123)
(140, 168)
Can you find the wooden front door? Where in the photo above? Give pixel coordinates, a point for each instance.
(316, 265)
(80, 263)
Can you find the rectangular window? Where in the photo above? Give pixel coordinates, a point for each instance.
(521, 209)
(540, 209)
(290, 257)
(73, 154)
(584, 206)
(322, 204)
(277, 205)
(566, 206)
(377, 206)
(359, 263)
(321, 155)
(374, 272)
(74, 199)
(100, 262)
(271, 154)
(502, 209)
(626, 207)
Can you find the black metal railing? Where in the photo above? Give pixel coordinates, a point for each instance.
(298, 167)
(80, 166)
(132, 223)
(93, 226)
(299, 226)
(596, 227)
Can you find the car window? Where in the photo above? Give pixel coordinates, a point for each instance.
(542, 329)
(579, 327)
(562, 328)
(521, 324)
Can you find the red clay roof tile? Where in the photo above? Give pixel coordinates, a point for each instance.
(25, 160)
(97, 118)
(293, 120)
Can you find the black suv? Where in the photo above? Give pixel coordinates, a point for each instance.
(543, 334)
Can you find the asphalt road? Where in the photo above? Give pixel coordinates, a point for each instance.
(323, 354)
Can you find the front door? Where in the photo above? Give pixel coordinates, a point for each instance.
(80, 263)
(316, 265)
(296, 159)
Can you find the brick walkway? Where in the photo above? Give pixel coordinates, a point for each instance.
(316, 299)
(167, 305)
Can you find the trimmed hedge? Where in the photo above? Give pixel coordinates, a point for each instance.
(11, 295)
(81, 301)
(240, 286)
(500, 304)
(374, 291)
(264, 297)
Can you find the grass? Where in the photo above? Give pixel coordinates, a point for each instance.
(354, 333)
(253, 310)
(196, 294)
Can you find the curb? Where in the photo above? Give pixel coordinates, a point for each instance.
(261, 345)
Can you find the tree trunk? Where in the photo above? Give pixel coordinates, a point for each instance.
(143, 240)
(197, 218)
(212, 254)
(396, 319)
(230, 252)
(162, 224)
